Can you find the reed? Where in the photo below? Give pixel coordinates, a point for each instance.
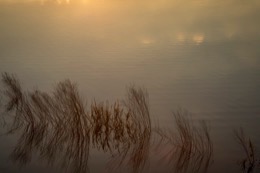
(59, 125)
(191, 147)
(249, 162)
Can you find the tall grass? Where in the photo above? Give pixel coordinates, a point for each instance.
(59, 125)
(55, 125)
(249, 162)
(190, 145)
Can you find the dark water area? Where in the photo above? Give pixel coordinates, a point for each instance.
(62, 131)
(195, 64)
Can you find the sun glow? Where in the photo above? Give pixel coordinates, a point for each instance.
(147, 40)
(198, 38)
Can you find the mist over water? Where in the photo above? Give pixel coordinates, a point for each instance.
(199, 55)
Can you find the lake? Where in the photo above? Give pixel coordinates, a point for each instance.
(201, 56)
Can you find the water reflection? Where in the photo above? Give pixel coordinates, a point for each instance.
(53, 125)
(58, 125)
(191, 148)
(62, 129)
(250, 160)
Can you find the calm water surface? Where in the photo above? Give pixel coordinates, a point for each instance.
(202, 55)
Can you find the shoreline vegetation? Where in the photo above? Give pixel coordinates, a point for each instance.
(61, 125)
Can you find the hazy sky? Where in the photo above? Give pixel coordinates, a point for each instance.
(118, 29)
(146, 21)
